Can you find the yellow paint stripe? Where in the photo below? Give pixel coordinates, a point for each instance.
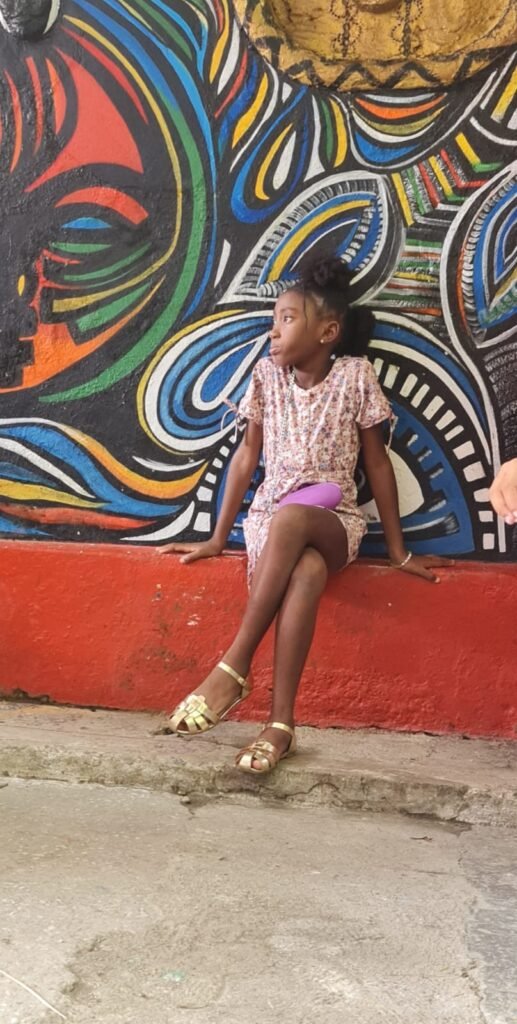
(137, 482)
(248, 118)
(403, 199)
(414, 276)
(466, 148)
(266, 164)
(342, 142)
(504, 101)
(506, 286)
(140, 395)
(404, 129)
(176, 169)
(440, 175)
(35, 492)
(129, 316)
(221, 43)
(301, 235)
(136, 15)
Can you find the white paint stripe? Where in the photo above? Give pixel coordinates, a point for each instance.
(47, 467)
(170, 531)
(391, 375)
(474, 472)
(231, 60)
(225, 255)
(167, 467)
(435, 404)
(464, 450)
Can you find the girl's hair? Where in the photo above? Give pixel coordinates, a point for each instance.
(328, 282)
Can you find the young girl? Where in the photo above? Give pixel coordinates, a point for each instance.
(310, 406)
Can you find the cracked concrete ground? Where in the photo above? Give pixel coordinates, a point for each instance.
(447, 777)
(127, 906)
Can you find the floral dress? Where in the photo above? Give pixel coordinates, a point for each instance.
(321, 440)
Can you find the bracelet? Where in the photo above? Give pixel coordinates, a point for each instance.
(400, 565)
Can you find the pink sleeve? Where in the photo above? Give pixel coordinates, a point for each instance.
(251, 406)
(374, 407)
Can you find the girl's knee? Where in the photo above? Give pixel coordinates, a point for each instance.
(311, 570)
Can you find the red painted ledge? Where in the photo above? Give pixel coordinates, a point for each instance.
(130, 628)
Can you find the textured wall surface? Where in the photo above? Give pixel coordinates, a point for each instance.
(98, 625)
(155, 170)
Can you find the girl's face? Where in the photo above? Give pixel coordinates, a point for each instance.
(299, 331)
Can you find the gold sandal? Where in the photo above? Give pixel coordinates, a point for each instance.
(264, 752)
(194, 713)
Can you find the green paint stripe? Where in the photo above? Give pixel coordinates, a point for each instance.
(79, 247)
(166, 25)
(416, 191)
(415, 244)
(486, 167)
(406, 128)
(159, 330)
(330, 138)
(91, 321)
(94, 275)
(412, 263)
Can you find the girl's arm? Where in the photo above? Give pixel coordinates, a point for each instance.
(242, 468)
(381, 478)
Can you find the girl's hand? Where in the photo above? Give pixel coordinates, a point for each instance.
(421, 565)
(192, 552)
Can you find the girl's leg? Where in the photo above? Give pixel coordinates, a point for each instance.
(293, 529)
(295, 625)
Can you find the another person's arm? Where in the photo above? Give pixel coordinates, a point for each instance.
(503, 492)
(242, 468)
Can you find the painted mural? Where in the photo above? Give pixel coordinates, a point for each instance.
(158, 178)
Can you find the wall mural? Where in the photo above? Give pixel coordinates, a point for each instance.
(158, 176)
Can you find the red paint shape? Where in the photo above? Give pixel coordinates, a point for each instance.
(433, 195)
(17, 114)
(74, 517)
(236, 85)
(101, 136)
(398, 113)
(390, 651)
(110, 198)
(38, 102)
(58, 96)
(219, 13)
(460, 182)
(110, 66)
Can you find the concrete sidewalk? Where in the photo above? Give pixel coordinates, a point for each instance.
(448, 778)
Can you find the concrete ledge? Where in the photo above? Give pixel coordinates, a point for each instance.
(448, 778)
(133, 629)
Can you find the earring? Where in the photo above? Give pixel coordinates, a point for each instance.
(322, 341)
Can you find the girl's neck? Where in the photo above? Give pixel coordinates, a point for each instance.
(308, 376)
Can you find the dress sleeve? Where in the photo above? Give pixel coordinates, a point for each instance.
(374, 407)
(251, 406)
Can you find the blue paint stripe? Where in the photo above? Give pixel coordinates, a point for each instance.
(56, 444)
(87, 224)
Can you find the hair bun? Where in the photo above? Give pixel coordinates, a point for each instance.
(326, 275)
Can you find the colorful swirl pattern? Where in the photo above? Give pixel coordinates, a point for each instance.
(160, 179)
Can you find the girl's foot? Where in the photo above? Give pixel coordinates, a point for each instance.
(224, 688)
(276, 741)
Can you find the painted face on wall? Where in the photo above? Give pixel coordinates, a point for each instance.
(85, 238)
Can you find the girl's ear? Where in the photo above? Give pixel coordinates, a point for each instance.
(331, 332)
